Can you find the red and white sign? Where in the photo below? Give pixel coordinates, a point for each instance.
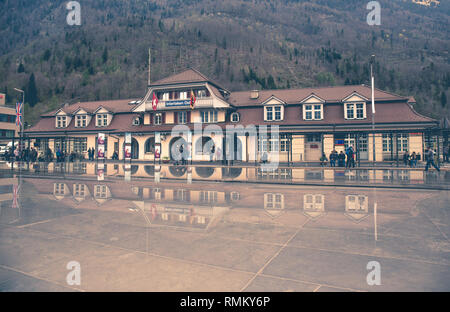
(154, 101)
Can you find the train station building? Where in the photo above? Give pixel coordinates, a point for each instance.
(188, 109)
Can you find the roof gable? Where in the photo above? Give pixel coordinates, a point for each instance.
(101, 110)
(273, 100)
(312, 99)
(190, 75)
(80, 111)
(355, 97)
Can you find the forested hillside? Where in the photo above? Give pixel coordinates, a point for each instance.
(241, 44)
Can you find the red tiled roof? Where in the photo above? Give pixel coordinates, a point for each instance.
(118, 123)
(294, 96)
(190, 75)
(114, 106)
(389, 112)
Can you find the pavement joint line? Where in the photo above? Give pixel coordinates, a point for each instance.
(38, 278)
(308, 282)
(316, 289)
(182, 260)
(437, 226)
(140, 252)
(35, 223)
(267, 243)
(273, 257)
(338, 251)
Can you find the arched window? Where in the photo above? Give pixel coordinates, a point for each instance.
(204, 145)
(235, 117)
(150, 145)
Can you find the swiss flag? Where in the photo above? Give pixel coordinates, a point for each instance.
(193, 99)
(154, 101)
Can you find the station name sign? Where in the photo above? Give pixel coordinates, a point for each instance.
(177, 103)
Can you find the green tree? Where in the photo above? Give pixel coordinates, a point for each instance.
(443, 99)
(105, 55)
(31, 91)
(21, 68)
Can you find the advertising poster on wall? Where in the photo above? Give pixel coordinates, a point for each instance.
(101, 146)
(127, 147)
(157, 151)
(101, 172)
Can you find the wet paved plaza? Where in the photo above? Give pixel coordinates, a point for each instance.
(168, 228)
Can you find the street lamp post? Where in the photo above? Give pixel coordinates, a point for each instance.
(372, 59)
(23, 110)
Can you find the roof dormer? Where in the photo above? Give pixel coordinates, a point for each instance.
(355, 106)
(82, 118)
(103, 117)
(273, 109)
(62, 119)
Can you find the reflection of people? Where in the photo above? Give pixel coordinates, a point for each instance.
(182, 154)
(211, 154)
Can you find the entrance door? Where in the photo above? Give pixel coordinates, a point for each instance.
(134, 149)
(363, 147)
(313, 147)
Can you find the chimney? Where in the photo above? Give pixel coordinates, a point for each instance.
(254, 94)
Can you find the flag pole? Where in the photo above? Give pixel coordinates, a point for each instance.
(149, 64)
(373, 106)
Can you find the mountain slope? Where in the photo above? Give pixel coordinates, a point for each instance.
(241, 44)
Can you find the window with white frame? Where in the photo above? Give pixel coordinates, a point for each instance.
(284, 143)
(79, 190)
(235, 117)
(208, 197)
(313, 111)
(267, 143)
(136, 121)
(273, 201)
(158, 119)
(356, 203)
(402, 142)
(208, 116)
(355, 110)
(79, 145)
(273, 113)
(182, 117)
(100, 191)
(101, 120)
(61, 121)
(59, 189)
(386, 142)
(313, 202)
(81, 121)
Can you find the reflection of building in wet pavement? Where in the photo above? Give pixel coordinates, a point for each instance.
(9, 208)
(242, 174)
(201, 205)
